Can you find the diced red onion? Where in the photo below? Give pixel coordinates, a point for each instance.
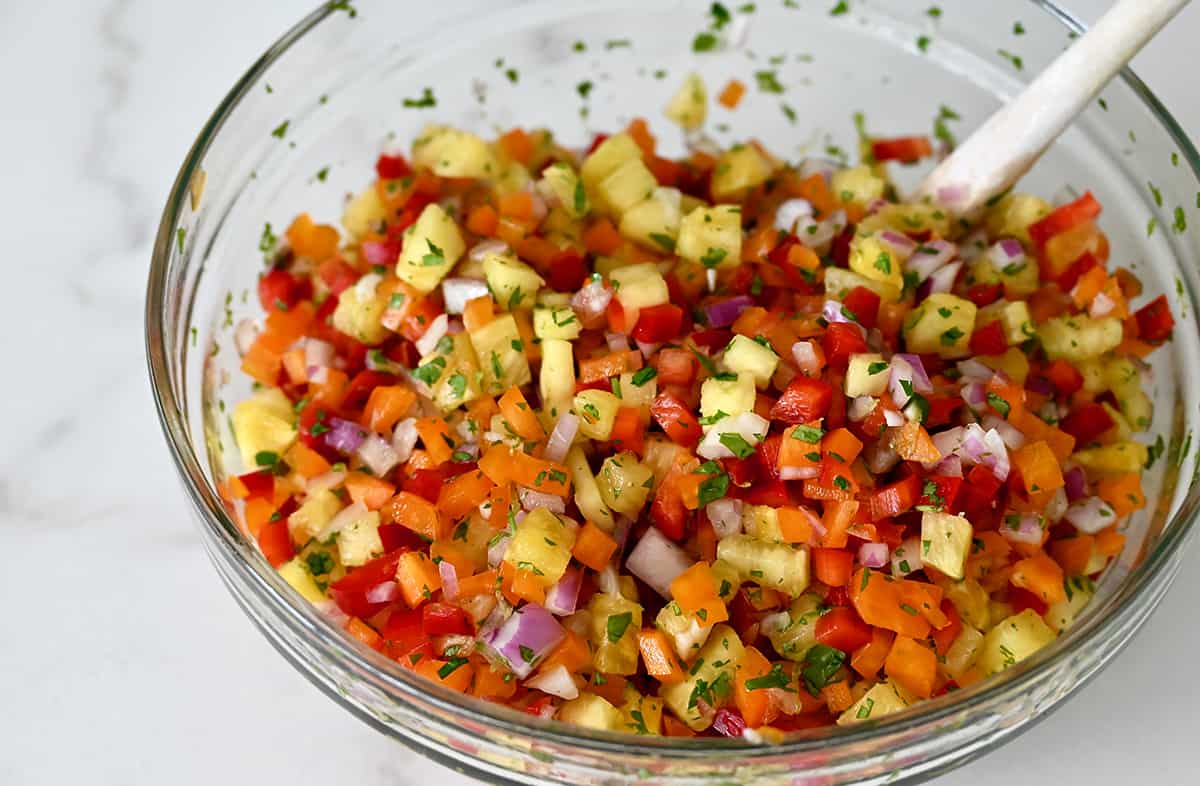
(617, 342)
(724, 312)
(378, 455)
(563, 597)
(624, 525)
(975, 394)
(930, 256)
(974, 244)
(902, 246)
(608, 580)
(880, 458)
(404, 438)
(950, 466)
(657, 561)
(525, 638)
(914, 373)
(498, 548)
(725, 515)
(1013, 438)
(1090, 515)
(449, 576)
(806, 358)
(590, 303)
(377, 361)
(377, 252)
(799, 473)
(834, 311)
(365, 287)
(942, 279)
(327, 480)
(906, 558)
(1028, 529)
(860, 407)
(818, 235)
(318, 354)
(1040, 385)
(383, 592)
(1056, 508)
(561, 437)
(332, 612)
(343, 519)
(1102, 305)
(244, 335)
(710, 279)
(948, 441)
(344, 436)
(986, 448)
(428, 342)
(893, 418)
(457, 291)
(873, 555)
(647, 349)
(532, 500)
(1076, 483)
(1005, 252)
(974, 371)
(876, 204)
(789, 212)
(487, 248)
(749, 426)
(557, 682)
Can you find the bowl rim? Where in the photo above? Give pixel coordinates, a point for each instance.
(1146, 581)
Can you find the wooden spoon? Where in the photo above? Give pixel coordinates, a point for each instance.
(1006, 146)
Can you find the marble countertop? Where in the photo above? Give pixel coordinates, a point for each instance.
(124, 660)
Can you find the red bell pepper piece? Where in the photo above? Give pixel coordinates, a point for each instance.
(767, 454)
(391, 167)
(1087, 422)
(864, 305)
(943, 638)
(402, 633)
(1064, 217)
(278, 290)
(1154, 320)
(337, 275)
(445, 619)
(712, 339)
(360, 387)
(667, 510)
(979, 491)
(259, 484)
(805, 399)
(842, 340)
(894, 499)
(842, 629)
(984, 294)
(989, 339)
(940, 492)
(832, 566)
(1065, 378)
(426, 483)
(275, 541)
(657, 324)
(1071, 276)
(676, 420)
(1020, 599)
(351, 591)
(770, 492)
(906, 149)
(567, 271)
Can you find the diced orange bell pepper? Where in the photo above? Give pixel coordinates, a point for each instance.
(868, 659)
(516, 410)
(417, 577)
(368, 489)
(659, 658)
(416, 513)
(1042, 576)
(386, 406)
(752, 703)
(913, 665)
(436, 439)
(593, 547)
(1039, 467)
(463, 494)
(306, 461)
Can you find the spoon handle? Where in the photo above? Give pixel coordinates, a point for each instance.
(1011, 140)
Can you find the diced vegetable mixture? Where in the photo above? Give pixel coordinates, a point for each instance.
(697, 446)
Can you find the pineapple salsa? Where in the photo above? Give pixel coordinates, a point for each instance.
(710, 446)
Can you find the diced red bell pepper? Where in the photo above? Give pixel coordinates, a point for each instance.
(941, 409)
(567, 271)
(391, 167)
(989, 339)
(839, 249)
(278, 290)
(842, 629)
(402, 633)
(336, 275)
(905, 149)
(837, 596)
(779, 254)
(426, 483)
(832, 566)
(979, 491)
(894, 498)
(1020, 599)
(712, 339)
(769, 492)
(676, 420)
(658, 324)
(398, 536)
(360, 387)
(741, 472)
(1065, 378)
(1154, 320)
(1070, 277)
(863, 304)
(805, 399)
(1086, 422)
(259, 484)
(597, 140)
(984, 294)
(1064, 217)
(667, 510)
(445, 619)
(351, 592)
(767, 454)
(842, 340)
(940, 492)
(275, 541)
(313, 424)
(943, 638)
(889, 532)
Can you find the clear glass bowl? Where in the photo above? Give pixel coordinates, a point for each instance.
(303, 127)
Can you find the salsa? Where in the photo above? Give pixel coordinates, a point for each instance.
(717, 445)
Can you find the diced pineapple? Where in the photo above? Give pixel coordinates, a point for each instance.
(857, 184)
(596, 410)
(1120, 431)
(1013, 640)
(689, 105)
(726, 577)
(592, 712)
(1013, 214)
(587, 492)
(711, 236)
(942, 324)
(731, 396)
(636, 391)
(605, 159)
(264, 423)
(1125, 382)
(501, 355)
(358, 542)
(1017, 324)
(962, 652)
(511, 176)
(1115, 459)
(542, 545)
(557, 378)
(311, 517)
(365, 213)
(1013, 362)
(625, 483)
(1094, 374)
(710, 678)
(945, 542)
(639, 286)
(776, 566)
(745, 356)
(739, 169)
(970, 600)
(1020, 279)
(625, 186)
(1061, 616)
(641, 714)
(432, 246)
(616, 621)
(762, 523)
(512, 282)
(564, 182)
(874, 258)
(885, 698)
(1000, 610)
(296, 574)
(359, 318)
(556, 322)
(908, 217)
(449, 152)
(1079, 337)
(867, 375)
(686, 632)
(654, 222)
(839, 281)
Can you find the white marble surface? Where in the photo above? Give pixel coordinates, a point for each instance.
(122, 659)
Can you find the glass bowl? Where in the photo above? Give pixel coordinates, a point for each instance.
(302, 128)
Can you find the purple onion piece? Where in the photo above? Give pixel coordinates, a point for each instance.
(724, 312)
(525, 638)
(344, 435)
